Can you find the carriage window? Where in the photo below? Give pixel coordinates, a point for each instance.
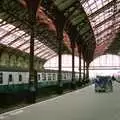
(43, 76)
(20, 77)
(70, 76)
(49, 76)
(54, 76)
(67, 75)
(63, 76)
(38, 76)
(1, 78)
(10, 78)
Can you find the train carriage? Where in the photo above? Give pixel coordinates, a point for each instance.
(12, 80)
(14, 83)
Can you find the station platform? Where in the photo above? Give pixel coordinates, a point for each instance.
(83, 104)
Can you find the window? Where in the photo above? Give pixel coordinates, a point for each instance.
(70, 75)
(1, 78)
(54, 76)
(10, 79)
(43, 76)
(20, 77)
(39, 76)
(63, 76)
(49, 76)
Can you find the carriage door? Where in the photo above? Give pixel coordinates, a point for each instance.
(1, 78)
(35, 77)
(10, 80)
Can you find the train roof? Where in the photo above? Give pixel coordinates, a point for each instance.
(9, 69)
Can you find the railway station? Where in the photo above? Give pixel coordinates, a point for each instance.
(53, 54)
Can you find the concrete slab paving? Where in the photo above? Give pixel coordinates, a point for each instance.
(83, 104)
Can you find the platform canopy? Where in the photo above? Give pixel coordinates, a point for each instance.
(92, 24)
(15, 27)
(15, 30)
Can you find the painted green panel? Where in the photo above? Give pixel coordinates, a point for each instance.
(36, 64)
(66, 4)
(77, 20)
(84, 29)
(13, 88)
(71, 9)
(75, 13)
(20, 62)
(4, 59)
(57, 2)
(13, 61)
(26, 62)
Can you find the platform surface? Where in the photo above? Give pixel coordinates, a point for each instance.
(82, 104)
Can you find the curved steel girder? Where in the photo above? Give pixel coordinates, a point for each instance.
(88, 46)
(73, 11)
(65, 4)
(84, 27)
(82, 39)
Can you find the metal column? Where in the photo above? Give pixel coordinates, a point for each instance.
(79, 49)
(60, 89)
(73, 83)
(84, 71)
(31, 58)
(32, 7)
(87, 72)
(59, 28)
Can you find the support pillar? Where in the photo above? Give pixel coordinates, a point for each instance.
(60, 85)
(73, 83)
(32, 88)
(87, 73)
(59, 28)
(32, 7)
(31, 58)
(80, 83)
(84, 71)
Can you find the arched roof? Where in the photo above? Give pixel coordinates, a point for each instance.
(15, 28)
(94, 26)
(14, 31)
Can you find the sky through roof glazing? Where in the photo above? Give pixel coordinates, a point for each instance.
(104, 16)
